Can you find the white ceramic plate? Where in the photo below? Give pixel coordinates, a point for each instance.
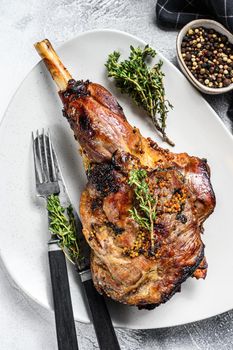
(193, 125)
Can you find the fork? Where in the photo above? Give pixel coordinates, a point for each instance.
(47, 184)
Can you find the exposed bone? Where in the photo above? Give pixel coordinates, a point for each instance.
(57, 70)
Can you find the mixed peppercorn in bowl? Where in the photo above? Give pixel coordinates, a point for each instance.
(205, 55)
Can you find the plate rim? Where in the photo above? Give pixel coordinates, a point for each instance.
(3, 120)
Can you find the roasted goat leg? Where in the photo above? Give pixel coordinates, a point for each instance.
(124, 267)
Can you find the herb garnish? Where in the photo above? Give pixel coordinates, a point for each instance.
(143, 83)
(63, 226)
(146, 214)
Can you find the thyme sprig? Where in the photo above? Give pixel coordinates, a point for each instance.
(146, 215)
(62, 225)
(143, 83)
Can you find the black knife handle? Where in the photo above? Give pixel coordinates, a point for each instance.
(102, 322)
(65, 326)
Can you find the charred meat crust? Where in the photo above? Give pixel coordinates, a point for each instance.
(116, 229)
(96, 203)
(75, 89)
(85, 123)
(102, 177)
(201, 271)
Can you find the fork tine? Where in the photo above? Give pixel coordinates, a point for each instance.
(35, 162)
(39, 155)
(46, 171)
(52, 158)
(46, 162)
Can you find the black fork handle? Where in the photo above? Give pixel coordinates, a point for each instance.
(65, 326)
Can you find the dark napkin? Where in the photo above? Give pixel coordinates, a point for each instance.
(176, 13)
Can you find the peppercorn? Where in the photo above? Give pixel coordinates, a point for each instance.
(226, 82)
(209, 56)
(211, 70)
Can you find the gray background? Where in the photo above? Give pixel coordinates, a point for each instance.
(24, 325)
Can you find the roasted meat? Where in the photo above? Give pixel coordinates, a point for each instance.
(123, 265)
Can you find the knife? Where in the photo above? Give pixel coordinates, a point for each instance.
(105, 333)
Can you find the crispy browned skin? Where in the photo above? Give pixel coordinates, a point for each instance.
(110, 148)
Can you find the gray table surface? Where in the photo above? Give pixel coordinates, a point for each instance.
(24, 324)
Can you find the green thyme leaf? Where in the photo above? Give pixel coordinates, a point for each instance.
(145, 215)
(62, 225)
(143, 83)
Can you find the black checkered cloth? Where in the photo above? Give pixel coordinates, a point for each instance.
(176, 13)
